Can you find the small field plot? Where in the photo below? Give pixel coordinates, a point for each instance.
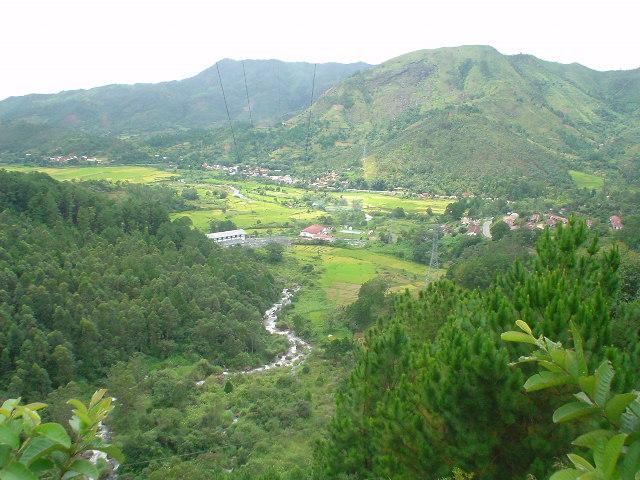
(380, 201)
(586, 180)
(341, 272)
(252, 213)
(132, 174)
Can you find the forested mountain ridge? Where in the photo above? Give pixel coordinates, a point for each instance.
(276, 90)
(470, 117)
(87, 281)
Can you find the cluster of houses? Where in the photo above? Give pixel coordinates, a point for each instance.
(257, 172)
(474, 227)
(535, 221)
(330, 179)
(63, 159)
(233, 170)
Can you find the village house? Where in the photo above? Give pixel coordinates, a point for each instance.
(535, 221)
(553, 220)
(616, 222)
(473, 230)
(317, 232)
(511, 220)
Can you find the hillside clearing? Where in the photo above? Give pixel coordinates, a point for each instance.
(586, 180)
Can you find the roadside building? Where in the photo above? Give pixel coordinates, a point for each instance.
(229, 237)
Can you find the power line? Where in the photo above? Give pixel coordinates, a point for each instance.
(313, 87)
(246, 89)
(226, 106)
(277, 74)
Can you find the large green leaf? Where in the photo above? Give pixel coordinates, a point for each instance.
(591, 439)
(9, 437)
(604, 377)
(616, 406)
(611, 455)
(16, 471)
(36, 448)
(631, 463)
(580, 462)
(543, 380)
(630, 420)
(588, 384)
(5, 453)
(518, 337)
(36, 406)
(41, 465)
(111, 450)
(571, 411)
(97, 396)
(568, 474)
(54, 432)
(524, 326)
(82, 467)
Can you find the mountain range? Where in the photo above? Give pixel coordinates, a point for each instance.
(444, 120)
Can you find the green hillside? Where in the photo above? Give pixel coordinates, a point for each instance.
(469, 117)
(445, 121)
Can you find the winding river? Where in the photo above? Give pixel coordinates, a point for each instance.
(296, 352)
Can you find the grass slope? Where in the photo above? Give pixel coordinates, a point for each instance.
(133, 174)
(461, 118)
(586, 180)
(342, 271)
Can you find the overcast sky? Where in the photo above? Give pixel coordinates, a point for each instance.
(52, 45)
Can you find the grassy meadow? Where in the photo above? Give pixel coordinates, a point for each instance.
(586, 180)
(341, 271)
(119, 173)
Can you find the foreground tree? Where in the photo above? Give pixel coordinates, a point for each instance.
(613, 449)
(30, 449)
(432, 388)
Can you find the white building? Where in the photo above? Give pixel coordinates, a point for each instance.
(230, 237)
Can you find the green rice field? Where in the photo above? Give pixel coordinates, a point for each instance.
(133, 174)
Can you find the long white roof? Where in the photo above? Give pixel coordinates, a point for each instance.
(228, 233)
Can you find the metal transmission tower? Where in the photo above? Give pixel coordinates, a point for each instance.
(434, 262)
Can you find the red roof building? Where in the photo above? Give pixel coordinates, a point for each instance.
(317, 232)
(553, 220)
(616, 222)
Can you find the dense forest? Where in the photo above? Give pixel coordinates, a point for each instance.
(87, 278)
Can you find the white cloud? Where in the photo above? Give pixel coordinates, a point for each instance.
(47, 46)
